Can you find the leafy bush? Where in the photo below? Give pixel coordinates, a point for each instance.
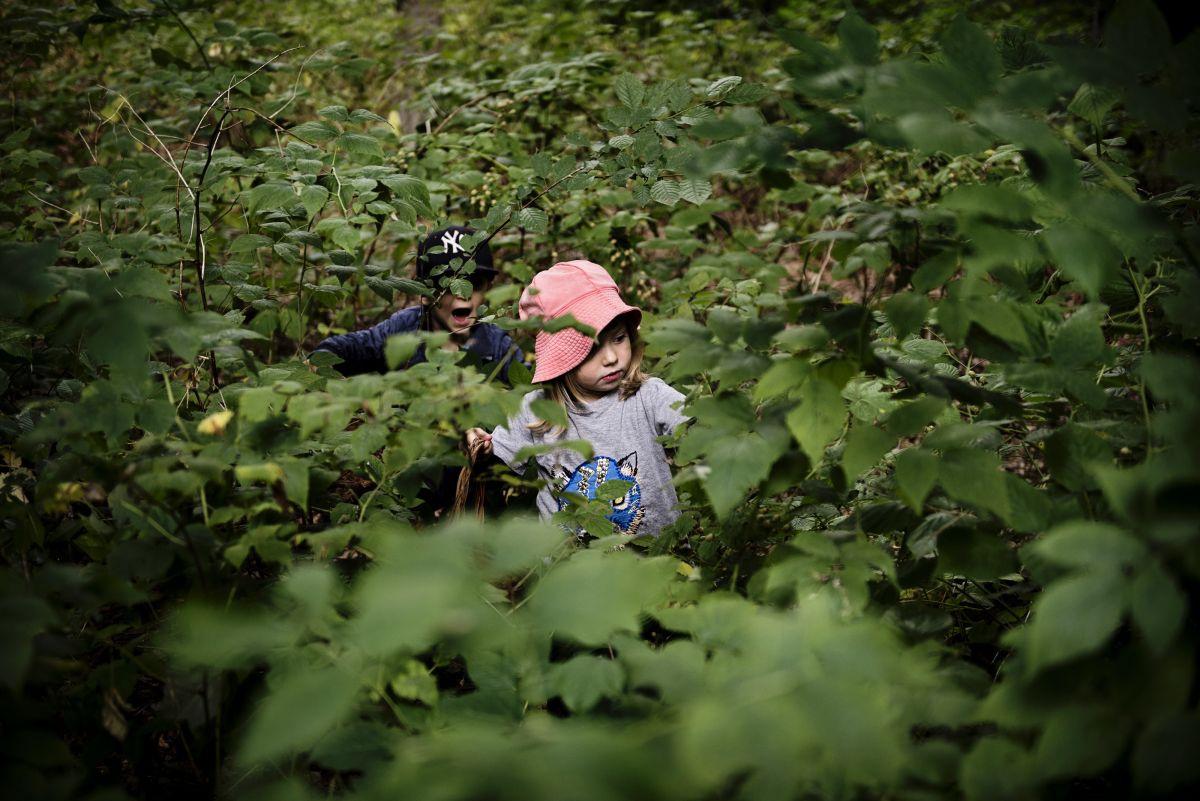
(931, 307)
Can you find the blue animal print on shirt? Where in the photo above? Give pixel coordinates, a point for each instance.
(627, 510)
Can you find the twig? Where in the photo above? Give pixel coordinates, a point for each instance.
(828, 257)
(201, 250)
(60, 208)
(192, 36)
(296, 83)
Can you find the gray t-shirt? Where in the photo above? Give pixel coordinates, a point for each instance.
(623, 434)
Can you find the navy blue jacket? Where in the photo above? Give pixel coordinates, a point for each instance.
(362, 351)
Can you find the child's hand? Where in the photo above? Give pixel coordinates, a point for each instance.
(479, 443)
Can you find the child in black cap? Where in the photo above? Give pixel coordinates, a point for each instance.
(440, 254)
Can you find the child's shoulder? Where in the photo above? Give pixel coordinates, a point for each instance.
(653, 388)
(529, 397)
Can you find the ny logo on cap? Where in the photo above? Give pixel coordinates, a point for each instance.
(451, 241)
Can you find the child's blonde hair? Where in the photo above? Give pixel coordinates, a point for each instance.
(566, 392)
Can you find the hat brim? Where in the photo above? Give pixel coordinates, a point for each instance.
(562, 351)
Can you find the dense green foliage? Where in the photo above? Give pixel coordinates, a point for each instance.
(929, 283)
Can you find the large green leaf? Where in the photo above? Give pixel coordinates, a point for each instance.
(865, 446)
(736, 464)
(584, 680)
(21, 619)
(270, 195)
(1081, 741)
(593, 595)
(1075, 616)
(974, 477)
(818, 419)
(1158, 605)
(1083, 254)
(916, 474)
(298, 710)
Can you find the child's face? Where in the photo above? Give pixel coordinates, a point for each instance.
(457, 314)
(603, 369)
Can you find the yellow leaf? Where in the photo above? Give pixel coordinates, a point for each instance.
(59, 503)
(214, 425)
(268, 472)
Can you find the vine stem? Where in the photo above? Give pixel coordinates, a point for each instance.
(1141, 310)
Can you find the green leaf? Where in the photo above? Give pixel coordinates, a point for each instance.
(970, 51)
(297, 712)
(666, 192)
(295, 481)
(317, 131)
(1079, 341)
(859, 40)
(411, 190)
(247, 243)
(1081, 741)
(364, 115)
(912, 418)
(906, 312)
(1075, 616)
(1158, 604)
(533, 219)
(380, 287)
(203, 637)
(21, 619)
(415, 683)
(1164, 758)
(399, 349)
(612, 490)
(781, 377)
(1092, 102)
(271, 195)
(338, 113)
(582, 681)
(565, 601)
(1136, 34)
(630, 90)
(693, 190)
(974, 477)
(997, 769)
(357, 746)
(1071, 453)
(314, 198)
(939, 132)
(735, 464)
(994, 201)
(1084, 255)
(549, 411)
(722, 86)
(818, 419)
(916, 473)
(1090, 545)
(360, 145)
(865, 446)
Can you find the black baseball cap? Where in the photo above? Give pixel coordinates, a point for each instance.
(447, 244)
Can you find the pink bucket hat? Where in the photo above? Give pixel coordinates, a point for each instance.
(579, 288)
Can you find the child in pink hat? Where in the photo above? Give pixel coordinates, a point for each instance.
(608, 402)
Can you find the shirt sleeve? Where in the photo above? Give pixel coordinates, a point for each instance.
(363, 351)
(665, 406)
(510, 438)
